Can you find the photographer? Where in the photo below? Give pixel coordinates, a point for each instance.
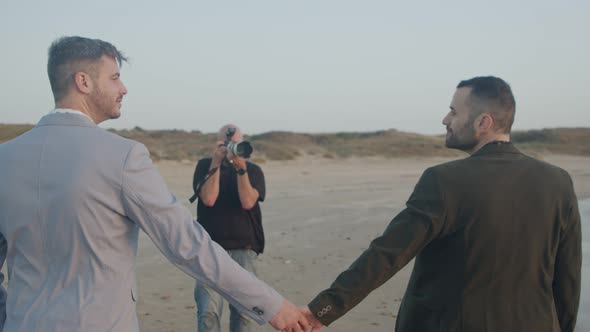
(229, 189)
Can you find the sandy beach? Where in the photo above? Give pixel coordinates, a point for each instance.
(318, 216)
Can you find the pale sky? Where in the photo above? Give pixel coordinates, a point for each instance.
(308, 65)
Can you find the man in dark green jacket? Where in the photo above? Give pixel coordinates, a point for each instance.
(496, 236)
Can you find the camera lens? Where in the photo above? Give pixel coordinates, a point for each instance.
(241, 149)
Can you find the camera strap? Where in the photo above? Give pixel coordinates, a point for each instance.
(193, 198)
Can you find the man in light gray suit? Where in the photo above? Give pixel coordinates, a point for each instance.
(72, 200)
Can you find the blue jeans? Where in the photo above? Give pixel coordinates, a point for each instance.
(210, 303)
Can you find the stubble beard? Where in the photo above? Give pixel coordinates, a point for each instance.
(464, 139)
(104, 105)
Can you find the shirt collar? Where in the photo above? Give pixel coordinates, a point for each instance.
(68, 110)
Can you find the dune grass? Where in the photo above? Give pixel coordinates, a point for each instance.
(280, 145)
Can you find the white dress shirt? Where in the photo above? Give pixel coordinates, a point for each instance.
(67, 110)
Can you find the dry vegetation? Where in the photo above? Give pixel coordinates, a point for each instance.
(10, 131)
(183, 145)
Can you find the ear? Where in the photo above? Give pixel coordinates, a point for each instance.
(83, 82)
(485, 122)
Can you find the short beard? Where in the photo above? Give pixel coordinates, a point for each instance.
(103, 104)
(464, 140)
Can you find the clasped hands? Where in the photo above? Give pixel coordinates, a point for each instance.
(295, 319)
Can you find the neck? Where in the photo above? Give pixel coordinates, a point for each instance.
(488, 139)
(80, 106)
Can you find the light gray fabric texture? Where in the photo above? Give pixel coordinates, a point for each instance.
(73, 198)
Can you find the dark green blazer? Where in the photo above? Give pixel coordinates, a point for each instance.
(497, 241)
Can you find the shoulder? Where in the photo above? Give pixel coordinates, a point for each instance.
(548, 167)
(549, 172)
(449, 166)
(204, 162)
(131, 148)
(473, 167)
(8, 144)
(445, 170)
(117, 139)
(543, 168)
(97, 139)
(253, 167)
(254, 170)
(202, 167)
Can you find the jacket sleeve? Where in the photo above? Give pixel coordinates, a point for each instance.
(568, 265)
(186, 244)
(3, 294)
(410, 231)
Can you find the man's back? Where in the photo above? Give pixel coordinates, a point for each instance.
(505, 255)
(496, 238)
(63, 219)
(72, 200)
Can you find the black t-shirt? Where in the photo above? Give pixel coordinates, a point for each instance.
(227, 222)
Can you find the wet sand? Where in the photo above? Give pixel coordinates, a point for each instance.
(318, 217)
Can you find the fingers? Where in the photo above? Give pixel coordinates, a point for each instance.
(238, 162)
(289, 318)
(299, 323)
(316, 328)
(302, 325)
(297, 328)
(315, 324)
(219, 151)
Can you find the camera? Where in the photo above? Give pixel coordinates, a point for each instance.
(241, 149)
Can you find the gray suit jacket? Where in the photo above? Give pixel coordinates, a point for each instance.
(72, 200)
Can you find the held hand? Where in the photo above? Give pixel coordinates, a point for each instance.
(289, 318)
(316, 325)
(219, 152)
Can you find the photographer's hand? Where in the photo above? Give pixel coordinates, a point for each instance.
(238, 163)
(219, 153)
